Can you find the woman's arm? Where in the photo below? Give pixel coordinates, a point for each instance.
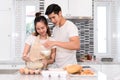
(52, 56)
(25, 52)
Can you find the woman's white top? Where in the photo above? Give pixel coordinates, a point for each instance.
(31, 39)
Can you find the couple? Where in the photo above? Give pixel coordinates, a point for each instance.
(62, 49)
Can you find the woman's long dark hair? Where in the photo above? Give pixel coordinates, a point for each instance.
(40, 18)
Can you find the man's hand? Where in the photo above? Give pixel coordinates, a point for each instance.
(49, 44)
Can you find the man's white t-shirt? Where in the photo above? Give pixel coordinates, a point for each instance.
(63, 33)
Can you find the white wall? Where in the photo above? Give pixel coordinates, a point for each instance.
(115, 23)
(118, 30)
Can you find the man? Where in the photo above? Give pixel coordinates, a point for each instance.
(66, 35)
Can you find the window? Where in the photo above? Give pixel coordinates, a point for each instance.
(24, 25)
(30, 15)
(102, 28)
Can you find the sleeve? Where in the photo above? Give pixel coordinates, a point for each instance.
(73, 30)
(29, 40)
(52, 39)
(53, 31)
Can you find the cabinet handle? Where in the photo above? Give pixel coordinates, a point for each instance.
(8, 35)
(13, 65)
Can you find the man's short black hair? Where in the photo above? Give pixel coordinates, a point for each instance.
(53, 8)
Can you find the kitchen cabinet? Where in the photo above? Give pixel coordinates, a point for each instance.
(11, 66)
(81, 8)
(18, 66)
(5, 29)
(77, 8)
(111, 70)
(5, 22)
(5, 5)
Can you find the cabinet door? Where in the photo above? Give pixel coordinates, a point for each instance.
(6, 66)
(5, 29)
(18, 66)
(5, 4)
(12, 66)
(82, 8)
(63, 5)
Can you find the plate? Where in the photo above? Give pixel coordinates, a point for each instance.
(81, 75)
(88, 74)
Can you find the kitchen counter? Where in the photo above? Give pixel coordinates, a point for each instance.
(85, 62)
(12, 62)
(18, 76)
(97, 62)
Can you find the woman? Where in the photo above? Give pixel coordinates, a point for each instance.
(35, 54)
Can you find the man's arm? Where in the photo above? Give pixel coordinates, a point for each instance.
(73, 44)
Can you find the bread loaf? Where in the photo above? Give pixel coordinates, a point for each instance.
(73, 68)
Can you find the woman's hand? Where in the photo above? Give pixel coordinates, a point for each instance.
(45, 63)
(25, 58)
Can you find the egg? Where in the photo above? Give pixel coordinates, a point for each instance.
(32, 71)
(26, 71)
(37, 72)
(21, 70)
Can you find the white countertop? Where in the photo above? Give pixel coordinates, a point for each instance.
(97, 62)
(85, 62)
(18, 76)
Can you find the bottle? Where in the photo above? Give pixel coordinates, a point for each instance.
(89, 56)
(93, 57)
